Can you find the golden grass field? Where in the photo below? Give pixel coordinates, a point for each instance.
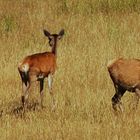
(95, 32)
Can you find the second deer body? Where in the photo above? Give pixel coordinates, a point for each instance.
(125, 74)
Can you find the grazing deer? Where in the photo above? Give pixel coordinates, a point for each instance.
(125, 75)
(38, 66)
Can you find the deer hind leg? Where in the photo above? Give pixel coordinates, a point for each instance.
(116, 99)
(50, 80)
(137, 91)
(41, 92)
(25, 86)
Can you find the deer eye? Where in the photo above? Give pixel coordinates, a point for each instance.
(51, 42)
(50, 37)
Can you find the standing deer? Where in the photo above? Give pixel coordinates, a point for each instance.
(125, 75)
(38, 66)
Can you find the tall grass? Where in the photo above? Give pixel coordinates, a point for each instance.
(95, 32)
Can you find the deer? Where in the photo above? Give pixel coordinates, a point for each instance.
(37, 67)
(125, 74)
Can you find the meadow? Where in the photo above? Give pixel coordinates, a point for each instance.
(96, 31)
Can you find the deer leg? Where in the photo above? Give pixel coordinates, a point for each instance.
(116, 99)
(50, 80)
(137, 91)
(41, 91)
(25, 88)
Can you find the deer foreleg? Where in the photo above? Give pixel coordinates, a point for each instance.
(50, 80)
(41, 91)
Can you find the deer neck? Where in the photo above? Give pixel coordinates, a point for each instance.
(54, 49)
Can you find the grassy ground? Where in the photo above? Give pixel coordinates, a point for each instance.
(95, 32)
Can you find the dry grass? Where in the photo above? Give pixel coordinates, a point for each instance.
(96, 31)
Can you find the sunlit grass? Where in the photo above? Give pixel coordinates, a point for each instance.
(95, 32)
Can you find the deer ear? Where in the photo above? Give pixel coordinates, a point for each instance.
(46, 33)
(61, 33)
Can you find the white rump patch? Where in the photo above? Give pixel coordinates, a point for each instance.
(24, 67)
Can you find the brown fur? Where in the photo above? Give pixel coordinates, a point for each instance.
(125, 74)
(41, 63)
(38, 66)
